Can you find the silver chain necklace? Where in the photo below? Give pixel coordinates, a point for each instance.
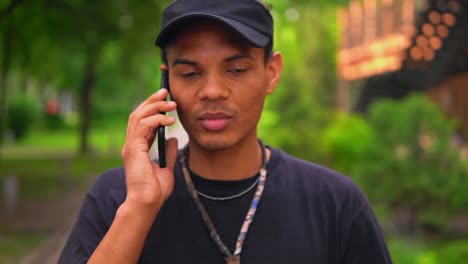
(226, 198)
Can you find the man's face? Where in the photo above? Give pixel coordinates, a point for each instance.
(219, 83)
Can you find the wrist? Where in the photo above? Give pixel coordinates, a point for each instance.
(141, 210)
(144, 200)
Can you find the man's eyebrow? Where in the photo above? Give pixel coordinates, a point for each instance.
(184, 61)
(237, 57)
(228, 59)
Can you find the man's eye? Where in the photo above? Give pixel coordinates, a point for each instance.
(236, 70)
(189, 74)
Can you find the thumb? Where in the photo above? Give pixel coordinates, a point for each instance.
(171, 152)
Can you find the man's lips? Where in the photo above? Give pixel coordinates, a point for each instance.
(214, 121)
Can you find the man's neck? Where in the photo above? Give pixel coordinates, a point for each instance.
(238, 162)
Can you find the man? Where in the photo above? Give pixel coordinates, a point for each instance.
(225, 198)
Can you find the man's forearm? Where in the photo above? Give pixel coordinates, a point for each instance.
(126, 236)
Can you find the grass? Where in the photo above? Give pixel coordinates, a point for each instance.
(405, 251)
(13, 245)
(46, 166)
(103, 140)
(46, 177)
(45, 161)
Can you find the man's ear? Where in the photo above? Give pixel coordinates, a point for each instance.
(274, 69)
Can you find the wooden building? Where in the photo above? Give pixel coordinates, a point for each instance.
(391, 48)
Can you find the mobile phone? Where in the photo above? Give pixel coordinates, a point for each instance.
(162, 129)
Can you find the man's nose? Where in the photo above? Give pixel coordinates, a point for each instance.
(214, 88)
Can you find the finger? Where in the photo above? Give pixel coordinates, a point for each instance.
(153, 109)
(171, 152)
(145, 128)
(160, 95)
(151, 137)
(142, 136)
(145, 112)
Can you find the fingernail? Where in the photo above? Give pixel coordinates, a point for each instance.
(161, 90)
(171, 103)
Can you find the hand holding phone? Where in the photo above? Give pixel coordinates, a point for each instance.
(162, 129)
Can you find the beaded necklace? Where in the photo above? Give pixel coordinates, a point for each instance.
(229, 257)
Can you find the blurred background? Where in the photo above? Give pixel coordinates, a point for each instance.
(376, 89)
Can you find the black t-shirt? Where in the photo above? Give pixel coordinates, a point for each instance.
(307, 214)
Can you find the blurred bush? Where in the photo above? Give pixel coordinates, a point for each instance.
(22, 112)
(404, 158)
(454, 252)
(53, 119)
(346, 141)
(407, 252)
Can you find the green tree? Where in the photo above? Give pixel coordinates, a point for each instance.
(414, 164)
(79, 33)
(306, 34)
(7, 38)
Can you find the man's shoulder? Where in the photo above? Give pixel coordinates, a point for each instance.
(111, 181)
(317, 184)
(311, 175)
(305, 168)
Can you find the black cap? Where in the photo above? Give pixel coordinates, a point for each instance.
(250, 18)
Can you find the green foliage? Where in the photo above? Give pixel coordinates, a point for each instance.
(453, 253)
(346, 141)
(413, 252)
(21, 114)
(56, 42)
(414, 164)
(414, 155)
(297, 110)
(403, 157)
(54, 121)
(317, 2)
(409, 252)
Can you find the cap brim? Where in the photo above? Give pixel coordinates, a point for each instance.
(255, 37)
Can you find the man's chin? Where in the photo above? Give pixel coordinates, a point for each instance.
(214, 143)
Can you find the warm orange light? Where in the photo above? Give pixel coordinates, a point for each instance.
(372, 67)
(387, 16)
(428, 54)
(449, 19)
(428, 29)
(355, 26)
(408, 30)
(343, 18)
(370, 14)
(435, 43)
(394, 43)
(408, 12)
(344, 57)
(416, 53)
(454, 6)
(434, 17)
(442, 31)
(422, 41)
